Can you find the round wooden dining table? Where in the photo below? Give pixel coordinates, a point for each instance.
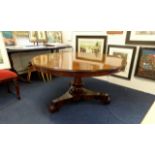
(67, 65)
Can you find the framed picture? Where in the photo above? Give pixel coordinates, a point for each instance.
(8, 38)
(41, 36)
(146, 63)
(37, 36)
(127, 53)
(54, 36)
(33, 36)
(114, 32)
(140, 37)
(21, 33)
(91, 47)
(4, 59)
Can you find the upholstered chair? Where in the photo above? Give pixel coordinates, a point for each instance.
(7, 76)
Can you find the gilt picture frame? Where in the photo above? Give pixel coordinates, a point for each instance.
(41, 36)
(37, 36)
(33, 36)
(91, 48)
(21, 33)
(146, 63)
(140, 37)
(114, 32)
(127, 53)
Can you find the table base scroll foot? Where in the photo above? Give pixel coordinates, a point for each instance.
(59, 102)
(53, 108)
(105, 98)
(89, 94)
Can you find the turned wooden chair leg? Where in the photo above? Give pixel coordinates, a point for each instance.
(8, 87)
(17, 88)
(43, 77)
(29, 76)
(47, 76)
(50, 76)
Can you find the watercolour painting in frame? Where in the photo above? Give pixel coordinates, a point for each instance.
(91, 48)
(127, 53)
(146, 63)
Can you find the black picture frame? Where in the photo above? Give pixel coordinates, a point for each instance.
(145, 67)
(127, 53)
(91, 48)
(142, 37)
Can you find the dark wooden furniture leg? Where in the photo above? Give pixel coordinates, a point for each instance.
(15, 81)
(77, 92)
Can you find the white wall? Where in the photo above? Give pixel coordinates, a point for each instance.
(135, 82)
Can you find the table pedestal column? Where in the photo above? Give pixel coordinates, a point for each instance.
(77, 92)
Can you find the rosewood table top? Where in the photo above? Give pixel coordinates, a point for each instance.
(65, 64)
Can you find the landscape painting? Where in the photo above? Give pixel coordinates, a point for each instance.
(8, 38)
(91, 47)
(54, 36)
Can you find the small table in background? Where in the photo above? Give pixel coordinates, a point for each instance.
(28, 49)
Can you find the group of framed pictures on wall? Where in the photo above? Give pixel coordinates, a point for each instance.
(94, 47)
(9, 37)
(45, 36)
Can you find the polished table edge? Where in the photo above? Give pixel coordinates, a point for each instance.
(74, 73)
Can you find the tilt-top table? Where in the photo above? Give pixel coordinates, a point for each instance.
(65, 64)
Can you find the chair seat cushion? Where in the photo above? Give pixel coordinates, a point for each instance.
(6, 75)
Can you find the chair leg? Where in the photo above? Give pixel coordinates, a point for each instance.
(43, 77)
(30, 70)
(47, 76)
(29, 76)
(17, 89)
(8, 87)
(50, 76)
